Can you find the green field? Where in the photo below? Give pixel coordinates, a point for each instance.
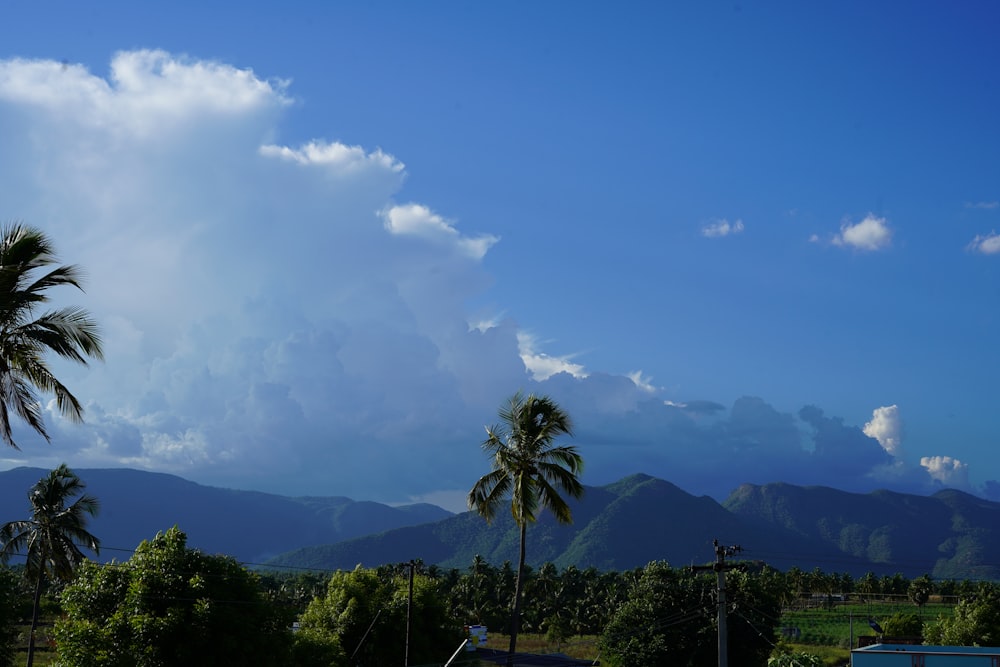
(837, 624)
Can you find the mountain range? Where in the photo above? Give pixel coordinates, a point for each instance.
(248, 525)
(618, 526)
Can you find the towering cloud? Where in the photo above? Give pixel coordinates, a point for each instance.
(886, 427)
(276, 319)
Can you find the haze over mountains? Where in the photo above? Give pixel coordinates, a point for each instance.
(617, 526)
(247, 525)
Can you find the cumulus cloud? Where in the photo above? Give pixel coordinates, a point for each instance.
(843, 449)
(986, 245)
(419, 221)
(334, 154)
(148, 91)
(886, 427)
(947, 471)
(872, 233)
(720, 228)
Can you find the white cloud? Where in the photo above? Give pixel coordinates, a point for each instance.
(946, 470)
(720, 228)
(886, 427)
(334, 155)
(872, 233)
(984, 205)
(148, 91)
(641, 381)
(418, 220)
(986, 245)
(542, 366)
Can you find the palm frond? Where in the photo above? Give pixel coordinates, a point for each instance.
(28, 272)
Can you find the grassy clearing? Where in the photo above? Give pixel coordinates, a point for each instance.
(837, 625)
(582, 647)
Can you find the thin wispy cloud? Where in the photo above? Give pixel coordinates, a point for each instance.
(721, 228)
(983, 205)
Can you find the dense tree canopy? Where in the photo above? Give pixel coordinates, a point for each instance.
(975, 621)
(364, 612)
(669, 618)
(169, 606)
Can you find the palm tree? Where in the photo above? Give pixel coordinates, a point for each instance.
(52, 537)
(530, 471)
(26, 275)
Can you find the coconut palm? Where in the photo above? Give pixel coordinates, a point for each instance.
(530, 471)
(27, 273)
(52, 537)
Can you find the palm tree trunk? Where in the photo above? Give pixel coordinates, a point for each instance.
(34, 616)
(515, 617)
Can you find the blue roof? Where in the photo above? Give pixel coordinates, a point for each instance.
(925, 648)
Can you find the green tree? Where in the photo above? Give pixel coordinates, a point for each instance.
(669, 619)
(364, 614)
(26, 275)
(796, 659)
(52, 537)
(920, 589)
(662, 622)
(902, 624)
(10, 614)
(170, 606)
(974, 622)
(530, 471)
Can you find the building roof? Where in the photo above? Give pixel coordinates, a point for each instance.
(929, 649)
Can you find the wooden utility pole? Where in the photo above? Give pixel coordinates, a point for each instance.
(719, 567)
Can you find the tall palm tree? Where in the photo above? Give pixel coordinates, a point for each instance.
(26, 275)
(530, 471)
(52, 537)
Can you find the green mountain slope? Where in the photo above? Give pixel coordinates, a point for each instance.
(619, 526)
(948, 535)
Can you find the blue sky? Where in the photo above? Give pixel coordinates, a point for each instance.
(738, 242)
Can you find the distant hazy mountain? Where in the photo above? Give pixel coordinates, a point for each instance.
(247, 525)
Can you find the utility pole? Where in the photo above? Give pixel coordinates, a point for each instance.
(720, 567)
